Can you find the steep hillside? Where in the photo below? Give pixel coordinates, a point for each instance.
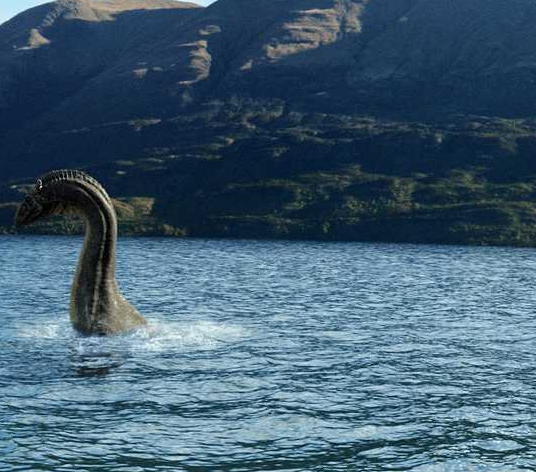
(387, 57)
(405, 120)
(49, 53)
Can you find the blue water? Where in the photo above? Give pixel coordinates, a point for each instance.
(272, 356)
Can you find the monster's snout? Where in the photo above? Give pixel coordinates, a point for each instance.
(28, 211)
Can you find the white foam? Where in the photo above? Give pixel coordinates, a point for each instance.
(160, 336)
(157, 336)
(49, 331)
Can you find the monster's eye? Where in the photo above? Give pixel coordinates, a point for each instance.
(39, 184)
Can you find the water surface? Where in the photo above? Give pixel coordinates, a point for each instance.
(272, 356)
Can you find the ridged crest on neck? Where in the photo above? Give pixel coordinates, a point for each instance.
(70, 176)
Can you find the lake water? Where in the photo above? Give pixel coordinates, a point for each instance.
(273, 356)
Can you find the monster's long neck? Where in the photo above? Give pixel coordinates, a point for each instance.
(98, 254)
(94, 284)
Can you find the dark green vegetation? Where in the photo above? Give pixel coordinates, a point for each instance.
(377, 120)
(292, 175)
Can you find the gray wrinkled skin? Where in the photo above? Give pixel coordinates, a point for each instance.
(97, 305)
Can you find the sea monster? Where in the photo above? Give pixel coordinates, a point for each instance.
(97, 305)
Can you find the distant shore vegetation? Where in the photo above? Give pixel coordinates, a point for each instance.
(257, 170)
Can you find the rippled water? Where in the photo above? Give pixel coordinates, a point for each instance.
(273, 356)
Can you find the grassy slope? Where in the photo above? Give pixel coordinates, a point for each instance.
(259, 170)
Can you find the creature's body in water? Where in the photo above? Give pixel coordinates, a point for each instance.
(97, 305)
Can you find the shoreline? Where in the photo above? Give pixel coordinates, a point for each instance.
(156, 235)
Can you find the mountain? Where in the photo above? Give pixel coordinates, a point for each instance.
(406, 120)
(381, 56)
(50, 53)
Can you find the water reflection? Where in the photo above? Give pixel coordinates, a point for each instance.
(96, 365)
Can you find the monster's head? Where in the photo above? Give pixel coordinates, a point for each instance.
(36, 205)
(62, 192)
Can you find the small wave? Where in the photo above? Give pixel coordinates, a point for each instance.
(500, 445)
(463, 465)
